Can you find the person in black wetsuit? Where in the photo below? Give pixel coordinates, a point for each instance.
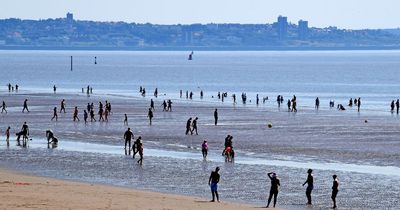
(310, 186)
(275, 184)
(128, 136)
(188, 123)
(216, 116)
(213, 183)
(335, 190)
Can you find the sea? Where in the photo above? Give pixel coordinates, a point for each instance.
(363, 149)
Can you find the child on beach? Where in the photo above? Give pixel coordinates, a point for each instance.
(140, 150)
(204, 149)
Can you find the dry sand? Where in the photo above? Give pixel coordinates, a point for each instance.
(29, 192)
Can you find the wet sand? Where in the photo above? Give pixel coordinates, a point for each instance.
(20, 191)
(313, 139)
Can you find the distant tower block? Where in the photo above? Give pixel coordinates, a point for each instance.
(303, 29)
(70, 17)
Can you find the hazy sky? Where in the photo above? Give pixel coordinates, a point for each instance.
(354, 14)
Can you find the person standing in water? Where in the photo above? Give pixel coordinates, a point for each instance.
(85, 116)
(397, 106)
(3, 107)
(76, 114)
(92, 115)
(128, 136)
(335, 190)
(152, 105)
(8, 136)
(310, 186)
(54, 89)
(54, 114)
(213, 183)
(275, 184)
(25, 106)
(126, 120)
(150, 115)
(215, 117)
(140, 150)
(358, 104)
(317, 103)
(204, 149)
(62, 106)
(392, 107)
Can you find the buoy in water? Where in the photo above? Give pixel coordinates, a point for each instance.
(366, 121)
(269, 125)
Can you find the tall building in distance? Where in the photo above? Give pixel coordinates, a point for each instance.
(282, 27)
(303, 29)
(70, 17)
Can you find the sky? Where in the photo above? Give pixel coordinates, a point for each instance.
(349, 14)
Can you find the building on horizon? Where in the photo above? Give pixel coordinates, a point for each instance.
(70, 17)
(282, 27)
(303, 29)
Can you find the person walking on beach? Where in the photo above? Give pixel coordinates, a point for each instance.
(135, 147)
(288, 105)
(101, 113)
(128, 136)
(54, 114)
(317, 103)
(3, 107)
(85, 116)
(204, 149)
(126, 120)
(215, 117)
(156, 92)
(275, 184)
(180, 94)
(194, 126)
(310, 186)
(213, 183)
(16, 88)
(140, 150)
(8, 136)
(92, 116)
(9, 87)
(397, 106)
(62, 106)
(54, 89)
(169, 105)
(358, 104)
(25, 106)
(76, 114)
(150, 115)
(188, 124)
(335, 190)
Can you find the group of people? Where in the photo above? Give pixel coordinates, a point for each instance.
(11, 88)
(275, 185)
(191, 126)
(136, 147)
(228, 151)
(392, 105)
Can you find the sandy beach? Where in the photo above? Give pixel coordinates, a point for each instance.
(19, 191)
(359, 153)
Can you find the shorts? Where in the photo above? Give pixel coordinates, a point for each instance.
(214, 187)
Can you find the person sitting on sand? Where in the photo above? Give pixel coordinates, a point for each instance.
(213, 183)
(340, 107)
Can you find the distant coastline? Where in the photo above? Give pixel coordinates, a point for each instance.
(198, 48)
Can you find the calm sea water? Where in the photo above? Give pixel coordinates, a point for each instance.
(331, 75)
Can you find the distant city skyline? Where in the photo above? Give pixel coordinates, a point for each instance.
(341, 13)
